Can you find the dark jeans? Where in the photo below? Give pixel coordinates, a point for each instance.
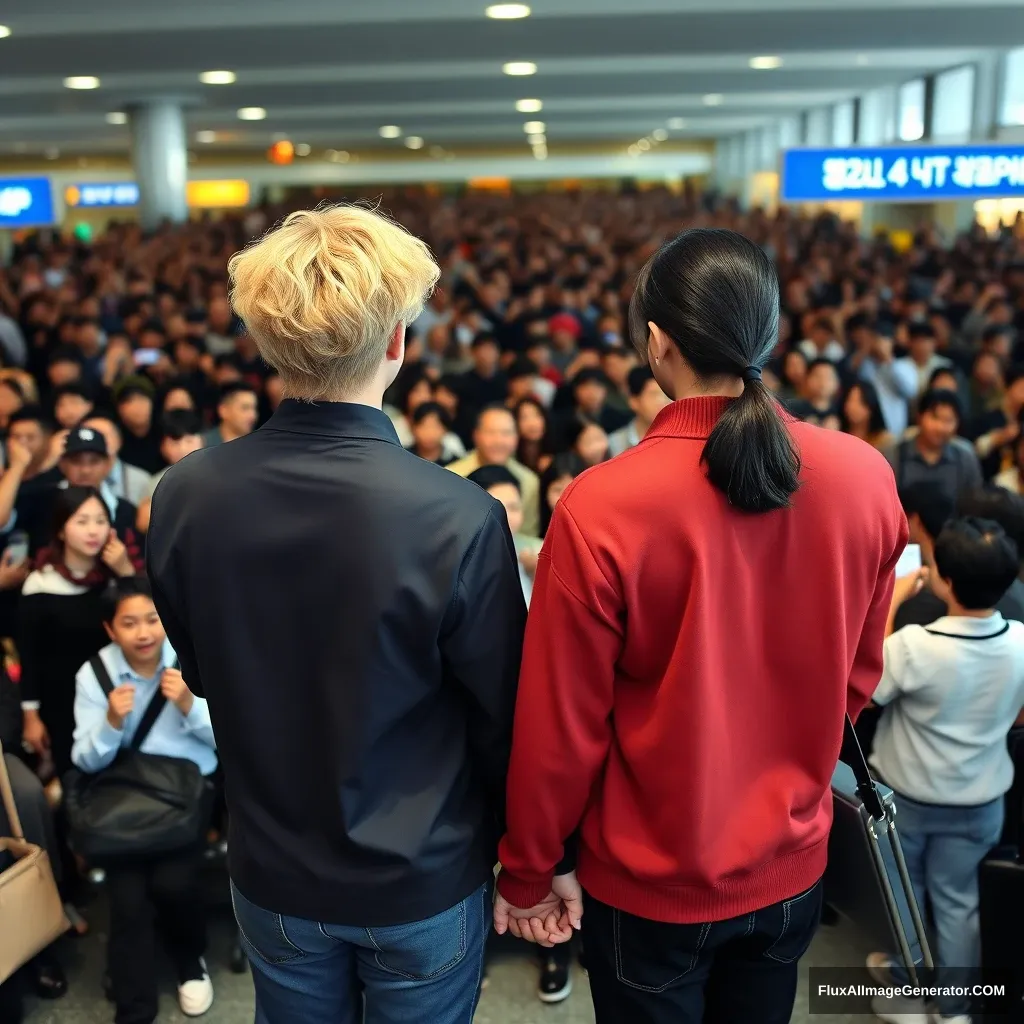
(166, 894)
(720, 972)
(313, 972)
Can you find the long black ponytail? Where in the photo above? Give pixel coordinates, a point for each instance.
(716, 295)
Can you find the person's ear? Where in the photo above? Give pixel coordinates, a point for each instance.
(659, 344)
(396, 345)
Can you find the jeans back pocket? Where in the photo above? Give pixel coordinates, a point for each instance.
(262, 931)
(652, 956)
(798, 921)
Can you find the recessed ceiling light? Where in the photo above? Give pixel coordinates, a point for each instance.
(303, 149)
(414, 142)
(338, 156)
(507, 12)
(529, 106)
(677, 124)
(217, 77)
(519, 68)
(659, 135)
(768, 63)
(251, 113)
(4, 31)
(537, 140)
(633, 150)
(643, 144)
(117, 117)
(390, 131)
(81, 82)
(862, 59)
(540, 152)
(714, 99)
(206, 136)
(534, 127)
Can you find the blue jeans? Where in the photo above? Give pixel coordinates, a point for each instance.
(944, 847)
(425, 972)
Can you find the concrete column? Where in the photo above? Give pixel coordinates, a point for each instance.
(160, 158)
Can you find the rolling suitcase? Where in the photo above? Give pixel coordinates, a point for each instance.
(866, 879)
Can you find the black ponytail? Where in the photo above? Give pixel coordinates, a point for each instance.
(716, 295)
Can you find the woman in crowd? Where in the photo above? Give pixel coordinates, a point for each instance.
(669, 624)
(1013, 477)
(62, 619)
(563, 469)
(532, 424)
(589, 441)
(862, 416)
(793, 376)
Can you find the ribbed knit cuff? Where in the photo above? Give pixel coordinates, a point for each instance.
(520, 894)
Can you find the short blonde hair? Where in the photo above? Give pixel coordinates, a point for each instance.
(322, 294)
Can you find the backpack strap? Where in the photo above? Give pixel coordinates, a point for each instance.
(99, 669)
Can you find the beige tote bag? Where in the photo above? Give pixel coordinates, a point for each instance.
(31, 913)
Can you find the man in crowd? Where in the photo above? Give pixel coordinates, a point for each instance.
(238, 411)
(646, 399)
(360, 611)
(494, 444)
(485, 384)
(894, 378)
(124, 480)
(935, 453)
(181, 435)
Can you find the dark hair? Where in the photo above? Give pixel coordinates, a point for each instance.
(236, 387)
(590, 375)
(130, 391)
(814, 364)
(639, 377)
(120, 590)
(921, 329)
(936, 399)
(938, 372)
(716, 295)
(521, 368)
(998, 504)
(484, 339)
(69, 500)
(13, 386)
(564, 464)
(491, 476)
(869, 395)
(860, 321)
(179, 423)
(930, 502)
(66, 354)
(1014, 374)
(574, 431)
(102, 414)
(31, 414)
(425, 409)
(979, 561)
(493, 407)
(78, 389)
(994, 331)
(407, 383)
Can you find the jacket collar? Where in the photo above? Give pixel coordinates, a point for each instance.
(333, 419)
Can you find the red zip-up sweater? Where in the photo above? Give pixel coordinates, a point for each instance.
(686, 672)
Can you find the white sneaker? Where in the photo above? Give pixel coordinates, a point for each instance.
(899, 1010)
(879, 966)
(195, 996)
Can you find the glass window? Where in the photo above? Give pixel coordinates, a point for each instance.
(790, 131)
(953, 103)
(1011, 109)
(818, 129)
(911, 110)
(843, 119)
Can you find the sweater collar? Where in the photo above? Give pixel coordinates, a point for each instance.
(689, 417)
(333, 419)
(696, 417)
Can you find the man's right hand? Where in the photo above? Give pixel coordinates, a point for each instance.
(119, 705)
(34, 733)
(19, 458)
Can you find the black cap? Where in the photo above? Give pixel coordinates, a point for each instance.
(85, 439)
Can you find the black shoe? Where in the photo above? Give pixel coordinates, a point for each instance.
(49, 979)
(555, 982)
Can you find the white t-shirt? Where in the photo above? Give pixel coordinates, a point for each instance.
(951, 692)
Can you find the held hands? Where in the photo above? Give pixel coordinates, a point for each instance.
(115, 556)
(550, 922)
(173, 687)
(119, 705)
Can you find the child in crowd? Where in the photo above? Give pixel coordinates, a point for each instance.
(140, 663)
(951, 692)
(500, 483)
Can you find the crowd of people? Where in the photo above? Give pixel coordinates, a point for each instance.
(122, 357)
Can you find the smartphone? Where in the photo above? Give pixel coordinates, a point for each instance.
(147, 356)
(910, 561)
(17, 547)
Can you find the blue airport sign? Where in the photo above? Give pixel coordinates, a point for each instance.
(111, 193)
(26, 203)
(903, 173)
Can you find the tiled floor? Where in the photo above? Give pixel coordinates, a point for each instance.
(509, 999)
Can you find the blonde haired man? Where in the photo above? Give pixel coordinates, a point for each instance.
(354, 617)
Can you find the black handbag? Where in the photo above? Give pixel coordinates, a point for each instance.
(141, 806)
(866, 878)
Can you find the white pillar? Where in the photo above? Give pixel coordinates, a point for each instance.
(160, 157)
